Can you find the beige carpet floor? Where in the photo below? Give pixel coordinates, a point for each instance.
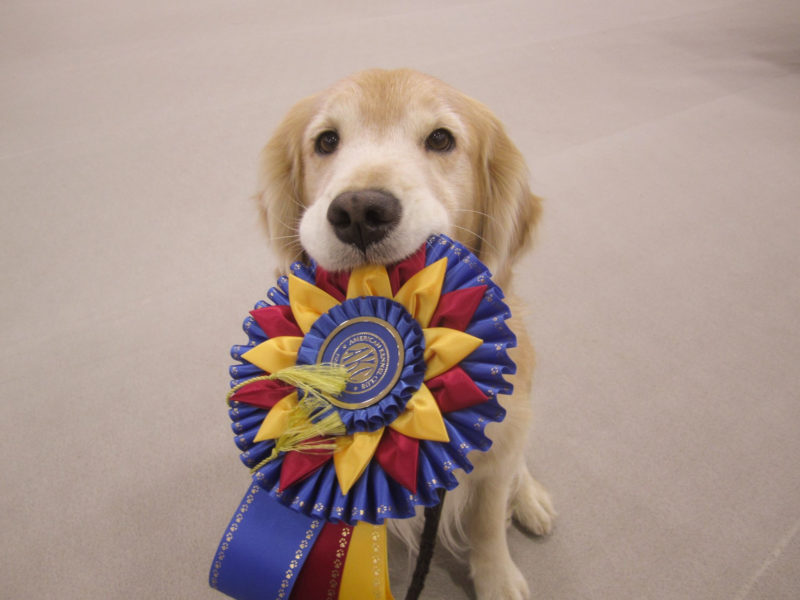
(665, 137)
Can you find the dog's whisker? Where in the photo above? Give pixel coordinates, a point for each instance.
(482, 239)
(477, 212)
(286, 237)
(296, 257)
(293, 227)
(468, 246)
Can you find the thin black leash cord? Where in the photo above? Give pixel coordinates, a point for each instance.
(426, 547)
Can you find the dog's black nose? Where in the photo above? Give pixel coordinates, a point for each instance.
(363, 217)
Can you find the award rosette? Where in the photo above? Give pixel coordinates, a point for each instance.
(354, 400)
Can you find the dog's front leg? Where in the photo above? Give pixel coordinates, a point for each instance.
(494, 573)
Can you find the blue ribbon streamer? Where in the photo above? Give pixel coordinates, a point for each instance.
(263, 549)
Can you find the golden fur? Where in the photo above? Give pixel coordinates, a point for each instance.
(478, 194)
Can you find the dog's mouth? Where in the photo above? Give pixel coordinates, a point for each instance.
(383, 252)
(367, 227)
(370, 225)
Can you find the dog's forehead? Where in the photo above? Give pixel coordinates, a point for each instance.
(380, 100)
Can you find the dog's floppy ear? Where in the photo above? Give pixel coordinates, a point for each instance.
(280, 194)
(510, 210)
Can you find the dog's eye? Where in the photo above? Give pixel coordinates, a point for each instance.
(440, 140)
(326, 143)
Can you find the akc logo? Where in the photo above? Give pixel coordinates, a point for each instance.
(370, 349)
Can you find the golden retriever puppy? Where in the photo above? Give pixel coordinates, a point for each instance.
(364, 172)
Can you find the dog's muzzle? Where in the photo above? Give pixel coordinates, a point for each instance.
(364, 217)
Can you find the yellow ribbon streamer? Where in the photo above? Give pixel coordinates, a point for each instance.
(420, 294)
(353, 456)
(369, 280)
(366, 568)
(308, 302)
(275, 354)
(422, 418)
(445, 348)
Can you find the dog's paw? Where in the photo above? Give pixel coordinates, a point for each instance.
(500, 583)
(532, 507)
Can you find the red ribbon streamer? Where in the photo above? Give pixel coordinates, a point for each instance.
(321, 575)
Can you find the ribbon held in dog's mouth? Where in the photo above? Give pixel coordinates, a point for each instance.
(353, 401)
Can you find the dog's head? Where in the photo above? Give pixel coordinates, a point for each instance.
(365, 171)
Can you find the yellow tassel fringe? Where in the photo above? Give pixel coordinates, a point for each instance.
(308, 420)
(323, 379)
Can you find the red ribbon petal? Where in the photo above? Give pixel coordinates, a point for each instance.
(398, 454)
(321, 575)
(454, 390)
(276, 321)
(333, 283)
(299, 465)
(263, 394)
(456, 308)
(402, 271)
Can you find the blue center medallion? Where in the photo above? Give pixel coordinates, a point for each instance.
(372, 352)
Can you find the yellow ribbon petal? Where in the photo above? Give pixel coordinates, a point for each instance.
(277, 419)
(353, 456)
(308, 302)
(422, 418)
(445, 348)
(274, 354)
(366, 568)
(369, 280)
(420, 294)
